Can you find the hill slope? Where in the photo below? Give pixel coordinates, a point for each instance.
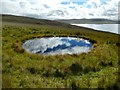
(89, 21)
(20, 69)
(28, 20)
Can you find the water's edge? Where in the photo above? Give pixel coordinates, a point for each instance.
(113, 28)
(57, 45)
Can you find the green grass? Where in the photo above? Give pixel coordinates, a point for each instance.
(96, 69)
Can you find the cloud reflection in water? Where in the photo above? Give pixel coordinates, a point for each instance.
(57, 45)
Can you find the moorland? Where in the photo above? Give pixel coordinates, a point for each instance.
(20, 69)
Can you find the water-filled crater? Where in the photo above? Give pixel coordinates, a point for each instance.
(57, 45)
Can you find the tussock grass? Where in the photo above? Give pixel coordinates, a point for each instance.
(96, 69)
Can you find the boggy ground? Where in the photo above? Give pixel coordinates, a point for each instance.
(20, 69)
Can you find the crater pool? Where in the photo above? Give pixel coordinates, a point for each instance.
(57, 45)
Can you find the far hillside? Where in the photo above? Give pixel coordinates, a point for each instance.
(29, 20)
(88, 21)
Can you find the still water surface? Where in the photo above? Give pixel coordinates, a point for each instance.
(101, 27)
(57, 45)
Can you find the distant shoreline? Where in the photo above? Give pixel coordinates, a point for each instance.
(113, 28)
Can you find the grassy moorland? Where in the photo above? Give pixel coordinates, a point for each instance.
(96, 69)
